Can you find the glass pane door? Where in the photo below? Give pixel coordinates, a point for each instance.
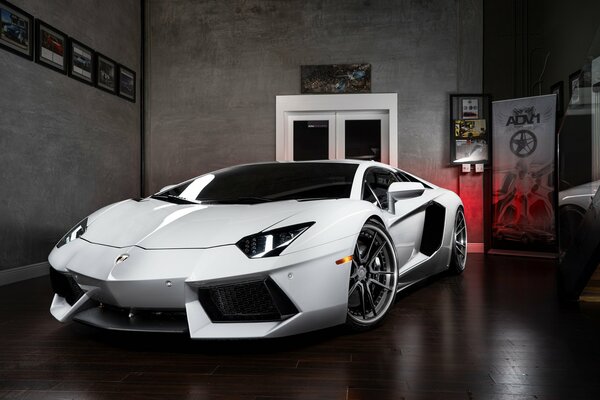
(310, 136)
(363, 136)
(311, 140)
(363, 139)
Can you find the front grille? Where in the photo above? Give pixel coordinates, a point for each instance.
(122, 319)
(65, 286)
(254, 301)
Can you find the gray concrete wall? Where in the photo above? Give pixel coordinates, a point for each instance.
(66, 148)
(215, 67)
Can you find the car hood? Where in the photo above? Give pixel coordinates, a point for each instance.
(156, 224)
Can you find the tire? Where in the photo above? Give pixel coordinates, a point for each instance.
(458, 260)
(373, 277)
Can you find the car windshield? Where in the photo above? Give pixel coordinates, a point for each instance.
(259, 183)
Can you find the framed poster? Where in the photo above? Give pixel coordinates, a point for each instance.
(81, 62)
(126, 83)
(469, 129)
(106, 74)
(50, 47)
(16, 30)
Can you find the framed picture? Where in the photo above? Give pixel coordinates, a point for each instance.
(126, 83)
(16, 30)
(574, 84)
(470, 129)
(50, 47)
(106, 73)
(335, 78)
(557, 89)
(81, 62)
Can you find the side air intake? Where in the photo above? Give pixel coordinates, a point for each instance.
(433, 229)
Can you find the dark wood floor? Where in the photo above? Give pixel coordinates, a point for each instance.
(496, 332)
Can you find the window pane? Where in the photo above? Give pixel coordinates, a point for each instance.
(363, 139)
(311, 140)
(376, 184)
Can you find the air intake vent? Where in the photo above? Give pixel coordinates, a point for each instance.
(246, 301)
(433, 229)
(65, 286)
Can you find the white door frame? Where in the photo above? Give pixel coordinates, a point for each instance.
(382, 102)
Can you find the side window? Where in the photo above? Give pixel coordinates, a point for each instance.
(404, 177)
(375, 186)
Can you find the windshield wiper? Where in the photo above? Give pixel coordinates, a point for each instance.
(173, 199)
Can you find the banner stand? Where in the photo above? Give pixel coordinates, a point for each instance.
(523, 178)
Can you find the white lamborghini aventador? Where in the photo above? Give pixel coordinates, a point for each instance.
(259, 250)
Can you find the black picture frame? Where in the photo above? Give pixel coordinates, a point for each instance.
(574, 85)
(51, 47)
(16, 30)
(82, 62)
(470, 128)
(106, 74)
(126, 83)
(558, 90)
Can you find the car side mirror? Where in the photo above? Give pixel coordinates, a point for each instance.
(168, 187)
(402, 191)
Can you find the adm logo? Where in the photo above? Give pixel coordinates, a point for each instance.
(524, 116)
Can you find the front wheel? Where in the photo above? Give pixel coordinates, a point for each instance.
(373, 277)
(458, 261)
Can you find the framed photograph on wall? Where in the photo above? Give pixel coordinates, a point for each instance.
(126, 83)
(106, 73)
(574, 84)
(51, 45)
(469, 129)
(16, 30)
(81, 62)
(557, 89)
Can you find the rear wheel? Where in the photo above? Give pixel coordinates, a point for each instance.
(459, 245)
(373, 277)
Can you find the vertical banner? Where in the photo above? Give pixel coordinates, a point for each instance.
(523, 198)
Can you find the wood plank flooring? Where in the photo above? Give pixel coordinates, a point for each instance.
(496, 332)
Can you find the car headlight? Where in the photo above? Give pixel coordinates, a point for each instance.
(74, 233)
(271, 243)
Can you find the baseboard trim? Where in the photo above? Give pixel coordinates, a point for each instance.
(474, 247)
(499, 252)
(18, 274)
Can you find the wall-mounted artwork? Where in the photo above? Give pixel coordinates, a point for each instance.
(126, 83)
(106, 73)
(335, 78)
(16, 27)
(81, 62)
(51, 45)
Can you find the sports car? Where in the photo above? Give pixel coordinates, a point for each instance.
(259, 250)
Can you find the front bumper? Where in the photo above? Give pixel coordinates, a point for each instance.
(211, 293)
